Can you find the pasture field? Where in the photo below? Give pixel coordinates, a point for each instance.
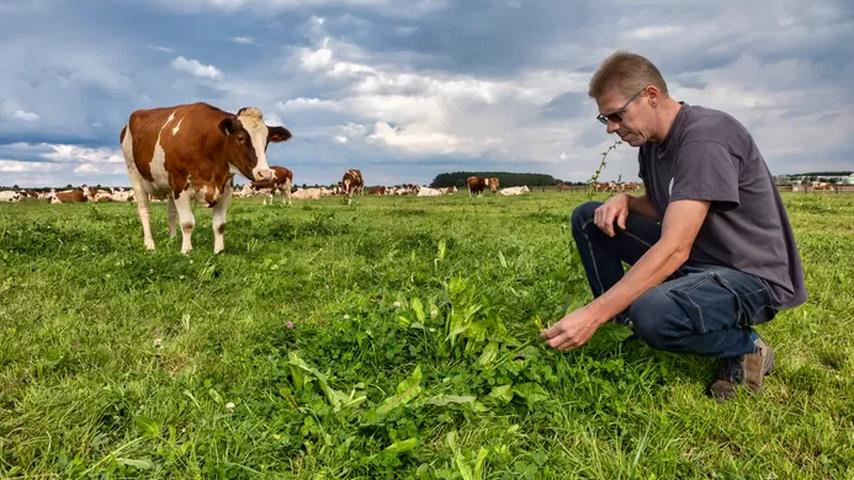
(392, 339)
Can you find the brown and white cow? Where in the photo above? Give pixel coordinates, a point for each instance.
(352, 183)
(75, 195)
(191, 152)
(282, 181)
(477, 185)
(493, 184)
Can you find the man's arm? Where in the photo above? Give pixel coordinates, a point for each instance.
(642, 205)
(682, 222)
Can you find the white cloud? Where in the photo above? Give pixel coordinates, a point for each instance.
(196, 68)
(16, 166)
(243, 40)
(651, 33)
(273, 120)
(405, 9)
(160, 48)
(315, 59)
(26, 116)
(99, 169)
(76, 153)
(302, 103)
(414, 139)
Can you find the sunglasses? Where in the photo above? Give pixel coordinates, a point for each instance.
(617, 115)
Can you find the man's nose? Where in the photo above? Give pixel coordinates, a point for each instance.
(612, 126)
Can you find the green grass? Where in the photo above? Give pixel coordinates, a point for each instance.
(413, 352)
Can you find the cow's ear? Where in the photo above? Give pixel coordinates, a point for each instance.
(226, 126)
(278, 134)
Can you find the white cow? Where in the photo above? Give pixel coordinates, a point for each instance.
(429, 192)
(122, 195)
(10, 196)
(510, 191)
(307, 194)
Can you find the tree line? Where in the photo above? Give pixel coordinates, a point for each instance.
(506, 179)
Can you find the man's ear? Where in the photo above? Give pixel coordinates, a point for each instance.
(226, 126)
(278, 134)
(653, 94)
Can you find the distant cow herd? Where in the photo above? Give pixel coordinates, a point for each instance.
(192, 152)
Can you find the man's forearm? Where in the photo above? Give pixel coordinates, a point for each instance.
(642, 205)
(658, 263)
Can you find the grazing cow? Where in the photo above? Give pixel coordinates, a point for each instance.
(476, 185)
(377, 191)
(10, 196)
(191, 152)
(511, 191)
(352, 183)
(307, 194)
(282, 181)
(493, 184)
(70, 196)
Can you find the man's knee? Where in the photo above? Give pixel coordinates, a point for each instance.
(583, 214)
(653, 317)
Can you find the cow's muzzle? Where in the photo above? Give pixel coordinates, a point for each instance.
(263, 174)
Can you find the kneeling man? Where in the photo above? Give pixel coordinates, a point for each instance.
(709, 242)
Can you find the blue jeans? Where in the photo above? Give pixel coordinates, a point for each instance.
(703, 309)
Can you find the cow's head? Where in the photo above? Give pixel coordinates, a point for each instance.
(493, 184)
(246, 142)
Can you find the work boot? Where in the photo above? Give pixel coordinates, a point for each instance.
(747, 370)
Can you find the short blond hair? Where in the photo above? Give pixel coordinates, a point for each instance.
(627, 73)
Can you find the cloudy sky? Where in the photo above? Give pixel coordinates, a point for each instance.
(405, 90)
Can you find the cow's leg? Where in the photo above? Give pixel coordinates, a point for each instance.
(185, 215)
(219, 211)
(142, 203)
(171, 215)
(286, 193)
(143, 208)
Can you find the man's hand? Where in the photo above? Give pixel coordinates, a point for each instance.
(573, 330)
(615, 209)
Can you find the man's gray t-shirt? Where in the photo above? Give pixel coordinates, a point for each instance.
(708, 155)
